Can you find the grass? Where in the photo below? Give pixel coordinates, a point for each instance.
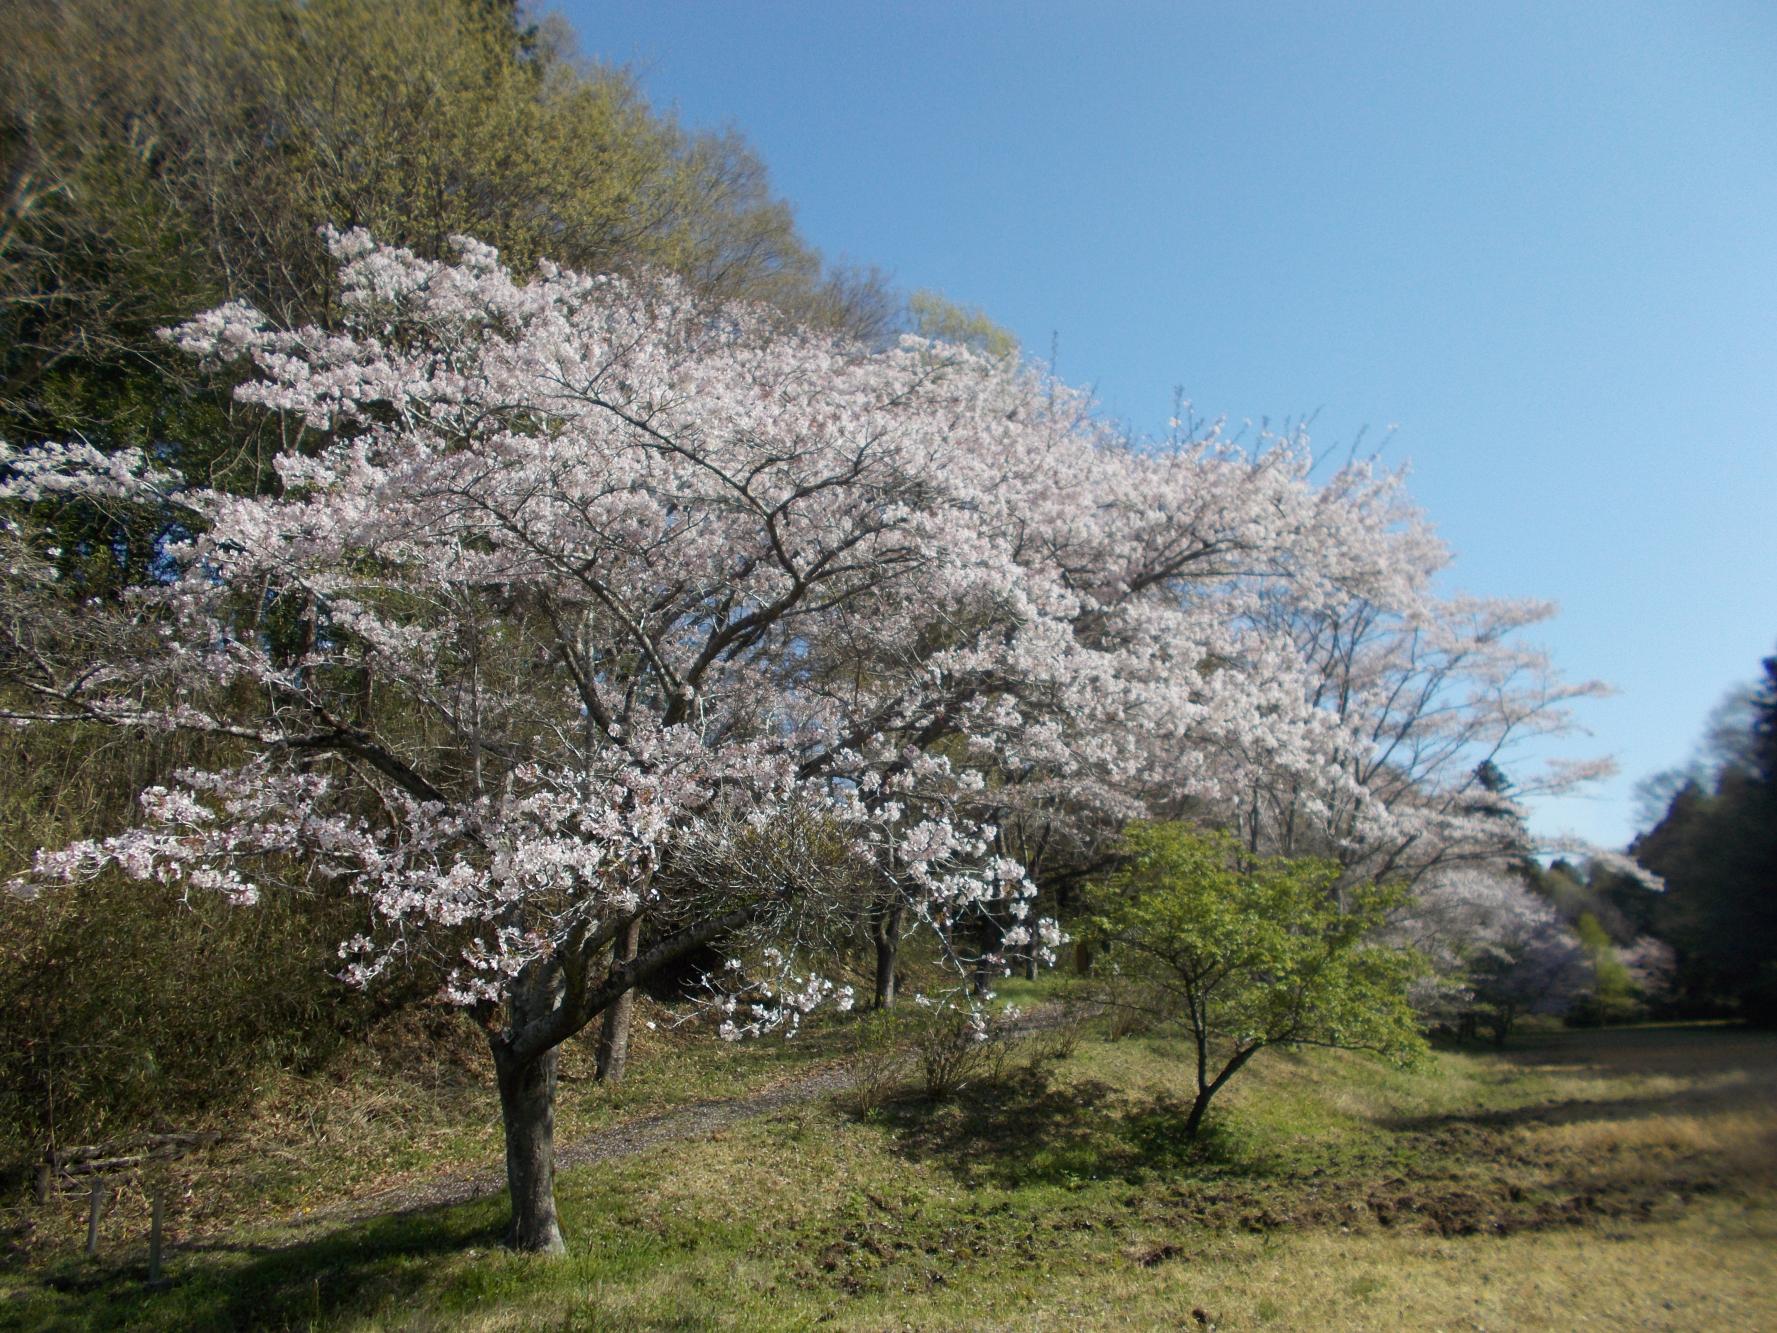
(413, 1105)
(1624, 1178)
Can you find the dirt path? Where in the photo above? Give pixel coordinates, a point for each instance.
(626, 1139)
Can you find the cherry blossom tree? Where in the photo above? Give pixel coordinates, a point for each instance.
(1115, 659)
(1496, 950)
(518, 650)
(1424, 697)
(591, 625)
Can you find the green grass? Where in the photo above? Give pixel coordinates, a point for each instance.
(414, 1104)
(1623, 1177)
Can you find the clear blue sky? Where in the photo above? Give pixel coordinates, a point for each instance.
(1539, 240)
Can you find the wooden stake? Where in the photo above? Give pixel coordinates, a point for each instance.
(154, 1236)
(92, 1217)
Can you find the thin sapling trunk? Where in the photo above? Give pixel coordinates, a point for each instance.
(613, 1046)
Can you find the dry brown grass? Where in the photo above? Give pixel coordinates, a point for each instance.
(1744, 1138)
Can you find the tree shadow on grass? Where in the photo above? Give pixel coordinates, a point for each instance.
(1672, 1049)
(1572, 1110)
(229, 1285)
(1444, 1175)
(1026, 1129)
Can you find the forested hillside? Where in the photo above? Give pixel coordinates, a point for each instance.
(161, 159)
(1715, 846)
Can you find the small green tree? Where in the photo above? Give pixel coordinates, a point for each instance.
(1613, 998)
(1254, 951)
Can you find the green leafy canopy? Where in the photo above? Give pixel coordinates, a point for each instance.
(1252, 951)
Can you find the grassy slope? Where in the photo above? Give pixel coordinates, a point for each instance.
(385, 1120)
(1623, 1179)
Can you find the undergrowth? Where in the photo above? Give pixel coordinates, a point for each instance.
(1623, 1176)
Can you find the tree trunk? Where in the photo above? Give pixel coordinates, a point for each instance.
(613, 1046)
(1194, 1121)
(1082, 957)
(527, 1108)
(885, 929)
(1206, 1087)
(993, 937)
(537, 1024)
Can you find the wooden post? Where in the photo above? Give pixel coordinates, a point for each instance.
(42, 1182)
(92, 1216)
(154, 1235)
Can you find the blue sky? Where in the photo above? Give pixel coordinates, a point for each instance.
(1540, 241)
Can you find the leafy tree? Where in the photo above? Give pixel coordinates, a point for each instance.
(163, 156)
(1764, 726)
(1251, 952)
(1715, 845)
(1577, 893)
(1613, 996)
(937, 317)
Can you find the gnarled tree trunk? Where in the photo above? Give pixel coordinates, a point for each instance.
(545, 1007)
(885, 930)
(527, 1109)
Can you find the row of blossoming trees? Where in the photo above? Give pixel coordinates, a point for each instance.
(589, 624)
